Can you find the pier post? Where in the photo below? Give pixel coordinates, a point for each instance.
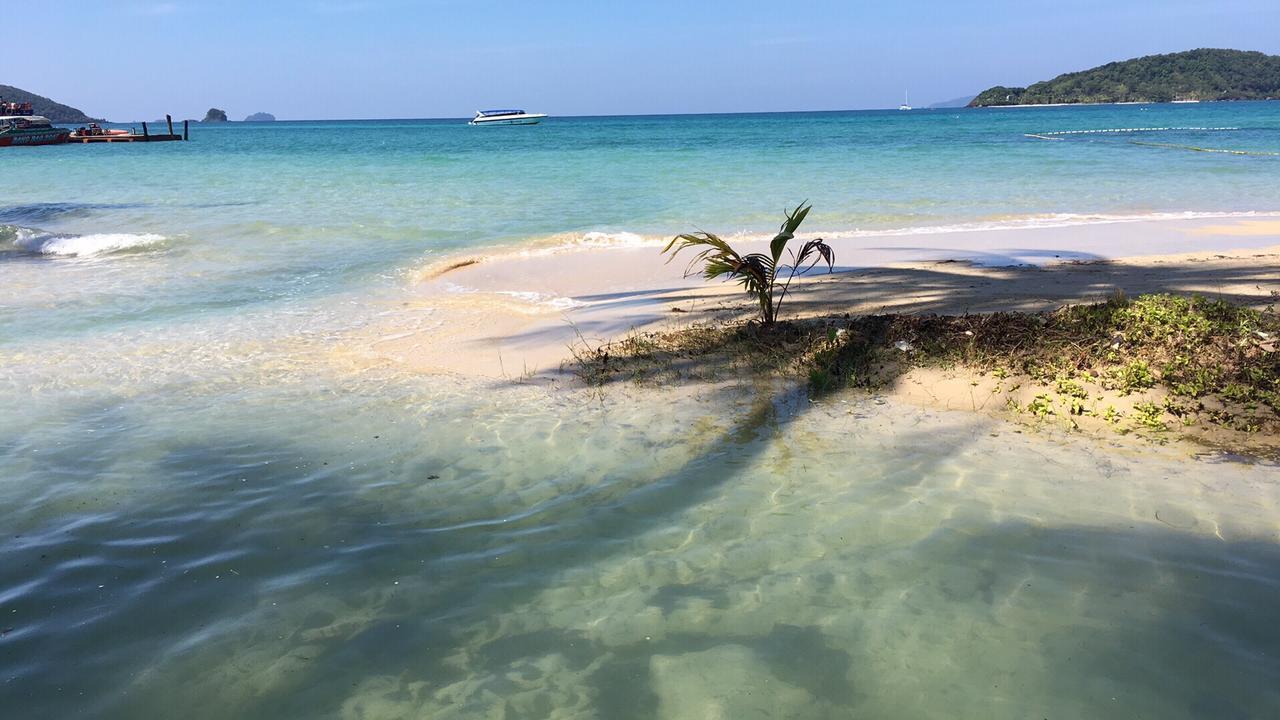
(186, 132)
(169, 120)
(145, 134)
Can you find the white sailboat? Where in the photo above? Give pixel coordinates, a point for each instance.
(906, 101)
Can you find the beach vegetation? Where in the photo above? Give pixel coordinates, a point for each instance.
(1218, 365)
(1150, 416)
(1041, 405)
(757, 273)
(1132, 376)
(1070, 387)
(1204, 74)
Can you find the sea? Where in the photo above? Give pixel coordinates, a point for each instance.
(210, 507)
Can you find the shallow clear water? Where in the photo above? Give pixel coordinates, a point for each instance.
(212, 508)
(252, 214)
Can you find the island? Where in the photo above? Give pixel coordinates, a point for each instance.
(40, 105)
(215, 115)
(950, 104)
(1194, 75)
(261, 117)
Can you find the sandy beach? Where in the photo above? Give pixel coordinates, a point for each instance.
(515, 314)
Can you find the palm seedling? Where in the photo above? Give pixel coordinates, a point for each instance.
(757, 273)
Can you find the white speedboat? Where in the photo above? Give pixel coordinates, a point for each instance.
(506, 117)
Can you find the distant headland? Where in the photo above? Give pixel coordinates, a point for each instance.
(261, 117)
(40, 105)
(1194, 75)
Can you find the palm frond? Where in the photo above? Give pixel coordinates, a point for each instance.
(714, 250)
(788, 230)
(757, 273)
(819, 250)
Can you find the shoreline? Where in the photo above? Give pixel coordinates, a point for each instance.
(574, 241)
(515, 314)
(522, 317)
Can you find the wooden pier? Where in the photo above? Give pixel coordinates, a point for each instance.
(145, 136)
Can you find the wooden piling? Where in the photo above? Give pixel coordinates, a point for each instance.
(186, 135)
(145, 135)
(169, 120)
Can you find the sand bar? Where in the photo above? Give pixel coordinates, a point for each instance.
(515, 314)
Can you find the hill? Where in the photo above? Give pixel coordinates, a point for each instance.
(261, 117)
(215, 115)
(1193, 75)
(956, 103)
(41, 105)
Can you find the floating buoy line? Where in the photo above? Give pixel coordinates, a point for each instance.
(1061, 135)
(1193, 148)
(1134, 130)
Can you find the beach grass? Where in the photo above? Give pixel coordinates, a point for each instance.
(1152, 363)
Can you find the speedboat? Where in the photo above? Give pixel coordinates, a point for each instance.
(28, 129)
(96, 130)
(506, 117)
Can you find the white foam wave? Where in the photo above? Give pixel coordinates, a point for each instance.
(1050, 220)
(568, 242)
(64, 245)
(555, 302)
(536, 298)
(597, 238)
(571, 242)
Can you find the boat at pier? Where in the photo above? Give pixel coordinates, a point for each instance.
(94, 130)
(506, 117)
(30, 130)
(18, 126)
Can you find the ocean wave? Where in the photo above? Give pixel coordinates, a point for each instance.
(598, 239)
(1047, 220)
(40, 242)
(526, 297)
(44, 212)
(546, 245)
(569, 242)
(556, 302)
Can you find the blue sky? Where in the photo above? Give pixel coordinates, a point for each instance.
(129, 60)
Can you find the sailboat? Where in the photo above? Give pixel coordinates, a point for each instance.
(906, 102)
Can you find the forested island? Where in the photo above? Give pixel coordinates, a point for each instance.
(40, 105)
(1204, 74)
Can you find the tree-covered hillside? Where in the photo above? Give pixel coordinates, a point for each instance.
(1192, 75)
(40, 105)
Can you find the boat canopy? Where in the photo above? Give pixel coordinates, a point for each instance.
(487, 113)
(33, 119)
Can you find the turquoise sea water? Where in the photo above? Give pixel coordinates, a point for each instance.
(209, 510)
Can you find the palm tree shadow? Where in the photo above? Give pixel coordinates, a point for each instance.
(414, 638)
(417, 641)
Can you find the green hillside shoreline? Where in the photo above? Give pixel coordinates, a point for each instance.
(1194, 75)
(41, 105)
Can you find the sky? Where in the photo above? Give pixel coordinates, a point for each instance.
(321, 59)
